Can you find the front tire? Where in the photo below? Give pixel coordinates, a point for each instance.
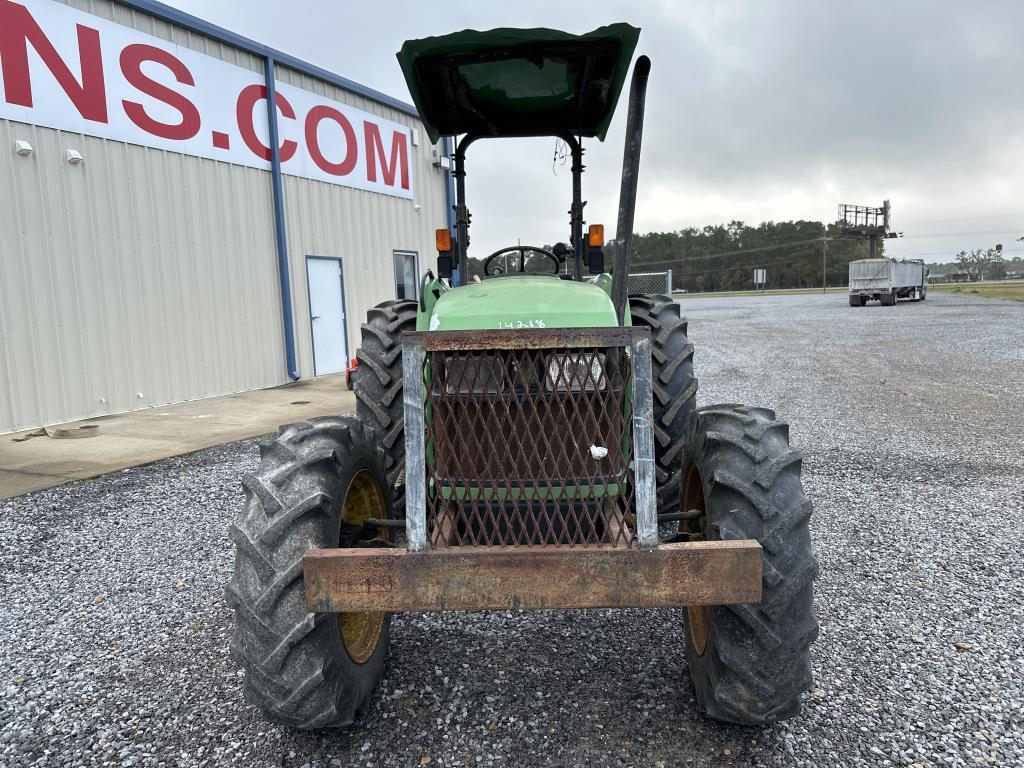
(751, 663)
(675, 389)
(315, 486)
(379, 385)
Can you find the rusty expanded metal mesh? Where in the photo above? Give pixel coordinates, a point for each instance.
(529, 446)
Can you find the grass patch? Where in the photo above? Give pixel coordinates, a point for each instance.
(1008, 291)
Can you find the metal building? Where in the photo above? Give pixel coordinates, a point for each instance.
(165, 235)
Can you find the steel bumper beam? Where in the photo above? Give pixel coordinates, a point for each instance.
(502, 578)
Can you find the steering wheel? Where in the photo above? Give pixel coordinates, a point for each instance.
(521, 249)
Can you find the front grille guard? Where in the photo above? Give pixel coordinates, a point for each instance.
(529, 438)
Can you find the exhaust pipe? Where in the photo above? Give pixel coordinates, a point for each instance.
(627, 192)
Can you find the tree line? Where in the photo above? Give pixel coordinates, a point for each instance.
(980, 263)
(723, 257)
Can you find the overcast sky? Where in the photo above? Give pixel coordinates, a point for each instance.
(755, 111)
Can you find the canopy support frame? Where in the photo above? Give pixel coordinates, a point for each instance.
(462, 216)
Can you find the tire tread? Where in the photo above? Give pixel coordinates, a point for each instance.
(674, 389)
(379, 400)
(296, 670)
(757, 663)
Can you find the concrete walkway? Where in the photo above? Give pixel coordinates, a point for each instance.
(140, 437)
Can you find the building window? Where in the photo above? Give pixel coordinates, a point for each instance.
(407, 272)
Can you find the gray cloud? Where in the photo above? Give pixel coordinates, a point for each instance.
(756, 110)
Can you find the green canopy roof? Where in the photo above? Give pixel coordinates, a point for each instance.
(518, 82)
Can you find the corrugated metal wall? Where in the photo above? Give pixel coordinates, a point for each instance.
(362, 228)
(142, 277)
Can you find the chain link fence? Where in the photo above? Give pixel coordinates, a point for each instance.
(650, 282)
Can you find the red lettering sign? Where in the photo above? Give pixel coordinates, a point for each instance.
(313, 118)
(246, 101)
(131, 59)
(18, 30)
(170, 97)
(375, 148)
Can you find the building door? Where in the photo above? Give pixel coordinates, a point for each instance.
(407, 275)
(327, 314)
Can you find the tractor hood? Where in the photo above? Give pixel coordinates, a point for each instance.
(523, 301)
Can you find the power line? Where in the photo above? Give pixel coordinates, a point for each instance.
(776, 246)
(1014, 231)
(739, 252)
(947, 253)
(735, 266)
(684, 260)
(964, 218)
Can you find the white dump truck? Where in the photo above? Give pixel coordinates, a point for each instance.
(887, 280)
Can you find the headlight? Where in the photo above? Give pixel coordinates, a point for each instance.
(471, 374)
(577, 372)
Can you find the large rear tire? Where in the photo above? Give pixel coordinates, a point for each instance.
(315, 486)
(751, 663)
(378, 388)
(675, 389)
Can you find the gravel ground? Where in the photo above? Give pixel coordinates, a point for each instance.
(910, 418)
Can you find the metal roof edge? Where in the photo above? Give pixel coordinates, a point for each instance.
(194, 23)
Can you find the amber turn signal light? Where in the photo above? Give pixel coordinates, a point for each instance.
(443, 240)
(595, 235)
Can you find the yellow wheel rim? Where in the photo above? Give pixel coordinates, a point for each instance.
(698, 616)
(360, 632)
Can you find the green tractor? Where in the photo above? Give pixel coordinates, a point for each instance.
(525, 441)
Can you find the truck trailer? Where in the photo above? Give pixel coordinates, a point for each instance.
(887, 280)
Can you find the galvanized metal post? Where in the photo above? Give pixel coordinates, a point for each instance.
(643, 443)
(415, 447)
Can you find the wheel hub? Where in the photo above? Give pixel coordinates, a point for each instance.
(698, 616)
(360, 632)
